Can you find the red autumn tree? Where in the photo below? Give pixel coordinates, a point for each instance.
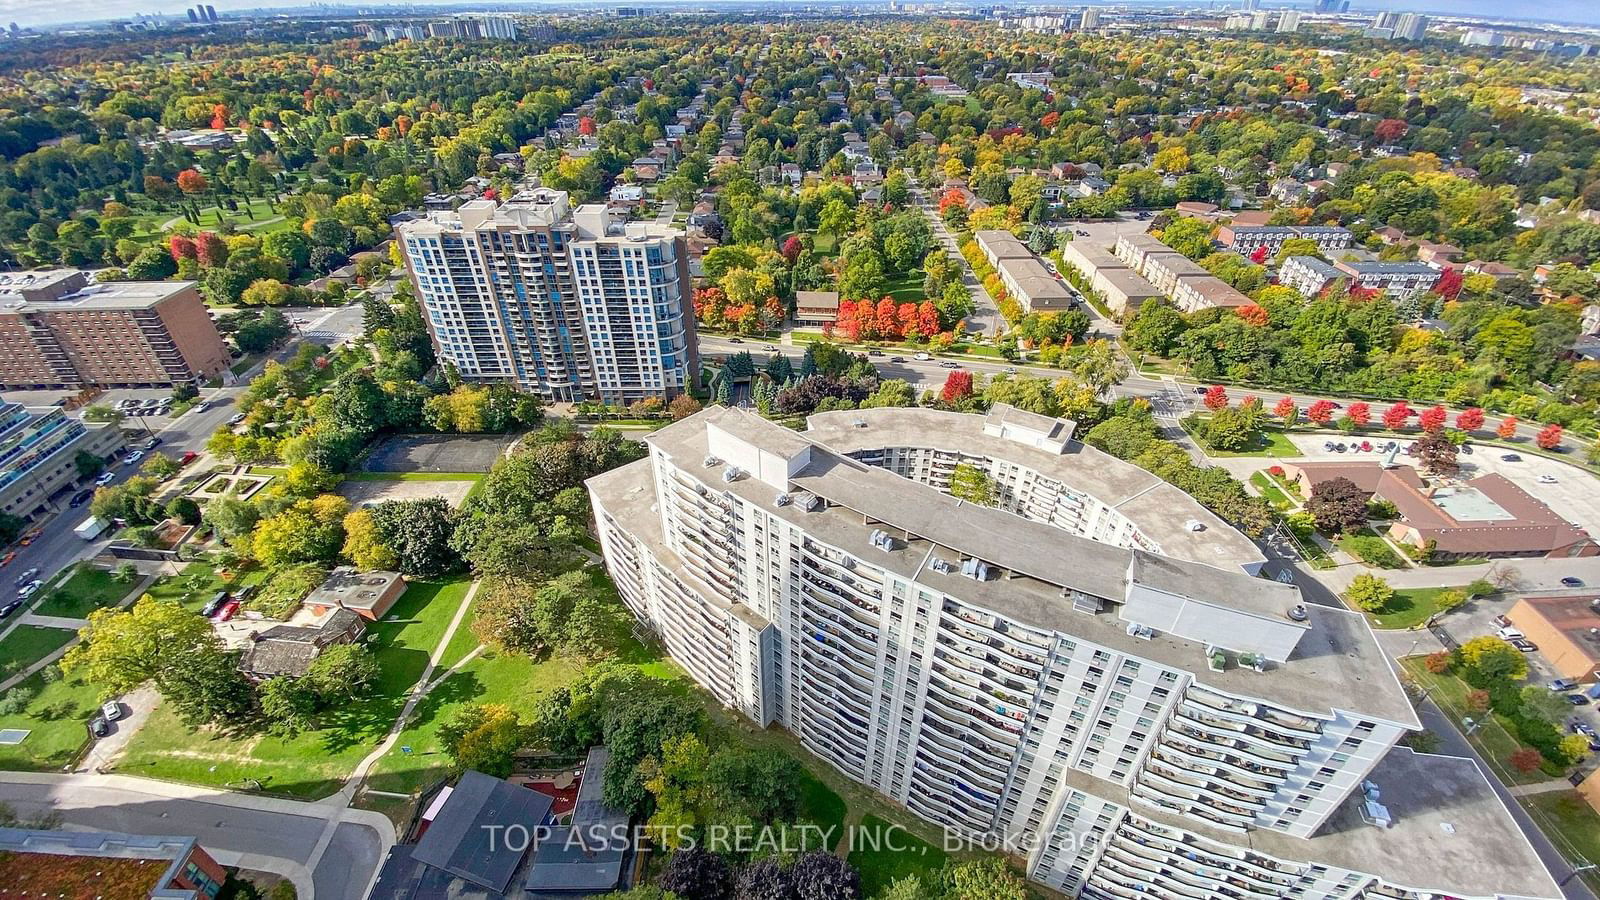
(1549, 437)
(402, 124)
(905, 319)
(1286, 410)
(1360, 414)
(957, 387)
(1507, 429)
(1259, 255)
(191, 182)
(1252, 313)
(1391, 130)
(219, 116)
(1050, 120)
(1432, 418)
(210, 249)
(771, 313)
(181, 247)
(586, 125)
(1470, 419)
(927, 319)
(791, 248)
(1396, 416)
(1449, 284)
(1216, 397)
(885, 322)
(1527, 760)
(1320, 412)
(951, 198)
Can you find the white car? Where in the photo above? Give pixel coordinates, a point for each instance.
(28, 589)
(1547, 479)
(921, 357)
(105, 479)
(133, 457)
(112, 710)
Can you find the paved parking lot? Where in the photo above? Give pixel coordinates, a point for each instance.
(438, 453)
(368, 493)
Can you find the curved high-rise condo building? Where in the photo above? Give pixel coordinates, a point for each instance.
(1087, 666)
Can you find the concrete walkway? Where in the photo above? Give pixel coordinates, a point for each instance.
(1542, 787)
(65, 623)
(352, 785)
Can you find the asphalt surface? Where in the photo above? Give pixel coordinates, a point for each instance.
(342, 874)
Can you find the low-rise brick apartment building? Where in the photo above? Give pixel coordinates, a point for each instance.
(59, 330)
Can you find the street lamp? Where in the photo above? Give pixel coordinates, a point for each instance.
(1470, 724)
(1575, 872)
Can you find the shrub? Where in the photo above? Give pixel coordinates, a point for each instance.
(1373, 551)
(1438, 663)
(1527, 760)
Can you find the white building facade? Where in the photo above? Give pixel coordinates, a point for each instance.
(567, 304)
(1071, 673)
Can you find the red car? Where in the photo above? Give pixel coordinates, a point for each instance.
(187, 458)
(226, 612)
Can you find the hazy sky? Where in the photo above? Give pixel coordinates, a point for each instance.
(44, 12)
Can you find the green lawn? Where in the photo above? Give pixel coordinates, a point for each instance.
(196, 584)
(55, 718)
(1572, 825)
(27, 644)
(1310, 550)
(907, 288)
(493, 677)
(1493, 740)
(884, 852)
(1270, 491)
(1268, 442)
(1371, 549)
(86, 591)
(312, 764)
(1410, 607)
(461, 643)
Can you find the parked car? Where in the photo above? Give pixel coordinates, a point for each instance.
(735, 340)
(1339, 447)
(1569, 581)
(1502, 622)
(1547, 479)
(236, 418)
(9, 608)
(1510, 457)
(1327, 446)
(1465, 449)
(897, 359)
(99, 727)
(214, 604)
(226, 612)
(133, 457)
(1525, 646)
(29, 589)
(1082, 233)
(27, 576)
(874, 352)
(6, 560)
(187, 457)
(1563, 685)
(1200, 390)
(105, 479)
(112, 710)
(1366, 446)
(1510, 633)
(921, 357)
(80, 498)
(773, 348)
(1579, 726)
(151, 444)
(1577, 700)
(947, 364)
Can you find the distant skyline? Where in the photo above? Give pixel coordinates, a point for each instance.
(55, 12)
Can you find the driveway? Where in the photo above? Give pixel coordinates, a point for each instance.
(136, 708)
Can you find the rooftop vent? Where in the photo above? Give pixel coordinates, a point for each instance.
(942, 566)
(883, 540)
(732, 473)
(976, 569)
(1298, 612)
(1143, 632)
(783, 500)
(860, 423)
(712, 461)
(1194, 525)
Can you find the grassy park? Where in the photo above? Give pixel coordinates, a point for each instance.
(312, 764)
